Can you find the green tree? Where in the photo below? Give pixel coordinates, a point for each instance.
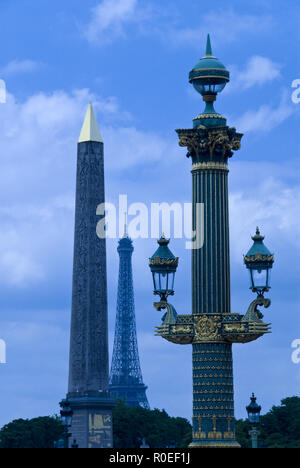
(279, 428)
(133, 424)
(34, 433)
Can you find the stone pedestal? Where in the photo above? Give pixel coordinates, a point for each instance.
(92, 420)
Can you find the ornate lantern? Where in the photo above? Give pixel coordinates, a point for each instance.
(253, 410)
(259, 262)
(163, 265)
(66, 413)
(209, 77)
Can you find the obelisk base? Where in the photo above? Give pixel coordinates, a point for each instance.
(92, 419)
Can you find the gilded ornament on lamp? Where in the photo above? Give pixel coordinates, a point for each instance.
(206, 328)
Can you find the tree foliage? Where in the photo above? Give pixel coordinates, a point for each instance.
(279, 428)
(133, 424)
(34, 433)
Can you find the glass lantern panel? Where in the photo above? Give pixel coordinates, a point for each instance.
(268, 278)
(253, 417)
(198, 87)
(163, 281)
(219, 87)
(251, 279)
(171, 281)
(259, 279)
(155, 281)
(202, 88)
(208, 88)
(69, 420)
(64, 420)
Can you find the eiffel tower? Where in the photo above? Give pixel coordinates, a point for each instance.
(126, 381)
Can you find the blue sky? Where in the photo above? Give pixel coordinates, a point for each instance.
(132, 58)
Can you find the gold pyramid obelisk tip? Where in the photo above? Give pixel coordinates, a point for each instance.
(90, 129)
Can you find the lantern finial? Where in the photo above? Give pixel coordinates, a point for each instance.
(209, 77)
(208, 47)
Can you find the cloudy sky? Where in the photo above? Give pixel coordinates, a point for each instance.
(132, 58)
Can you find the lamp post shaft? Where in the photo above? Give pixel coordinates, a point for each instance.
(254, 442)
(213, 410)
(211, 263)
(254, 433)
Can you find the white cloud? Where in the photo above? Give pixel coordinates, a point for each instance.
(19, 268)
(135, 147)
(258, 71)
(38, 150)
(25, 231)
(224, 26)
(109, 18)
(31, 344)
(267, 201)
(32, 334)
(19, 66)
(266, 117)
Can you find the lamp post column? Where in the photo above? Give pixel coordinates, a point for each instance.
(254, 433)
(211, 328)
(213, 411)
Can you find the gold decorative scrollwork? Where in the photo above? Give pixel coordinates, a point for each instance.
(219, 139)
(206, 329)
(234, 328)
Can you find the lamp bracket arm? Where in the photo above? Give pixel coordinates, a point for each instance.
(253, 314)
(171, 316)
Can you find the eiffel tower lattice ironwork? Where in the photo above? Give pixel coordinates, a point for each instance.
(126, 381)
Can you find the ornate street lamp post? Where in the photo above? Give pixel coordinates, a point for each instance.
(211, 328)
(253, 411)
(66, 414)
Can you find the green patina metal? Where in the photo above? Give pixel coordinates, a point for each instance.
(209, 66)
(259, 262)
(208, 46)
(163, 252)
(163, 265)
(259, 255)
(209, 77)
(211, 328)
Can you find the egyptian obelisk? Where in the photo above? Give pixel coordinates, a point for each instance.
(88, 372)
